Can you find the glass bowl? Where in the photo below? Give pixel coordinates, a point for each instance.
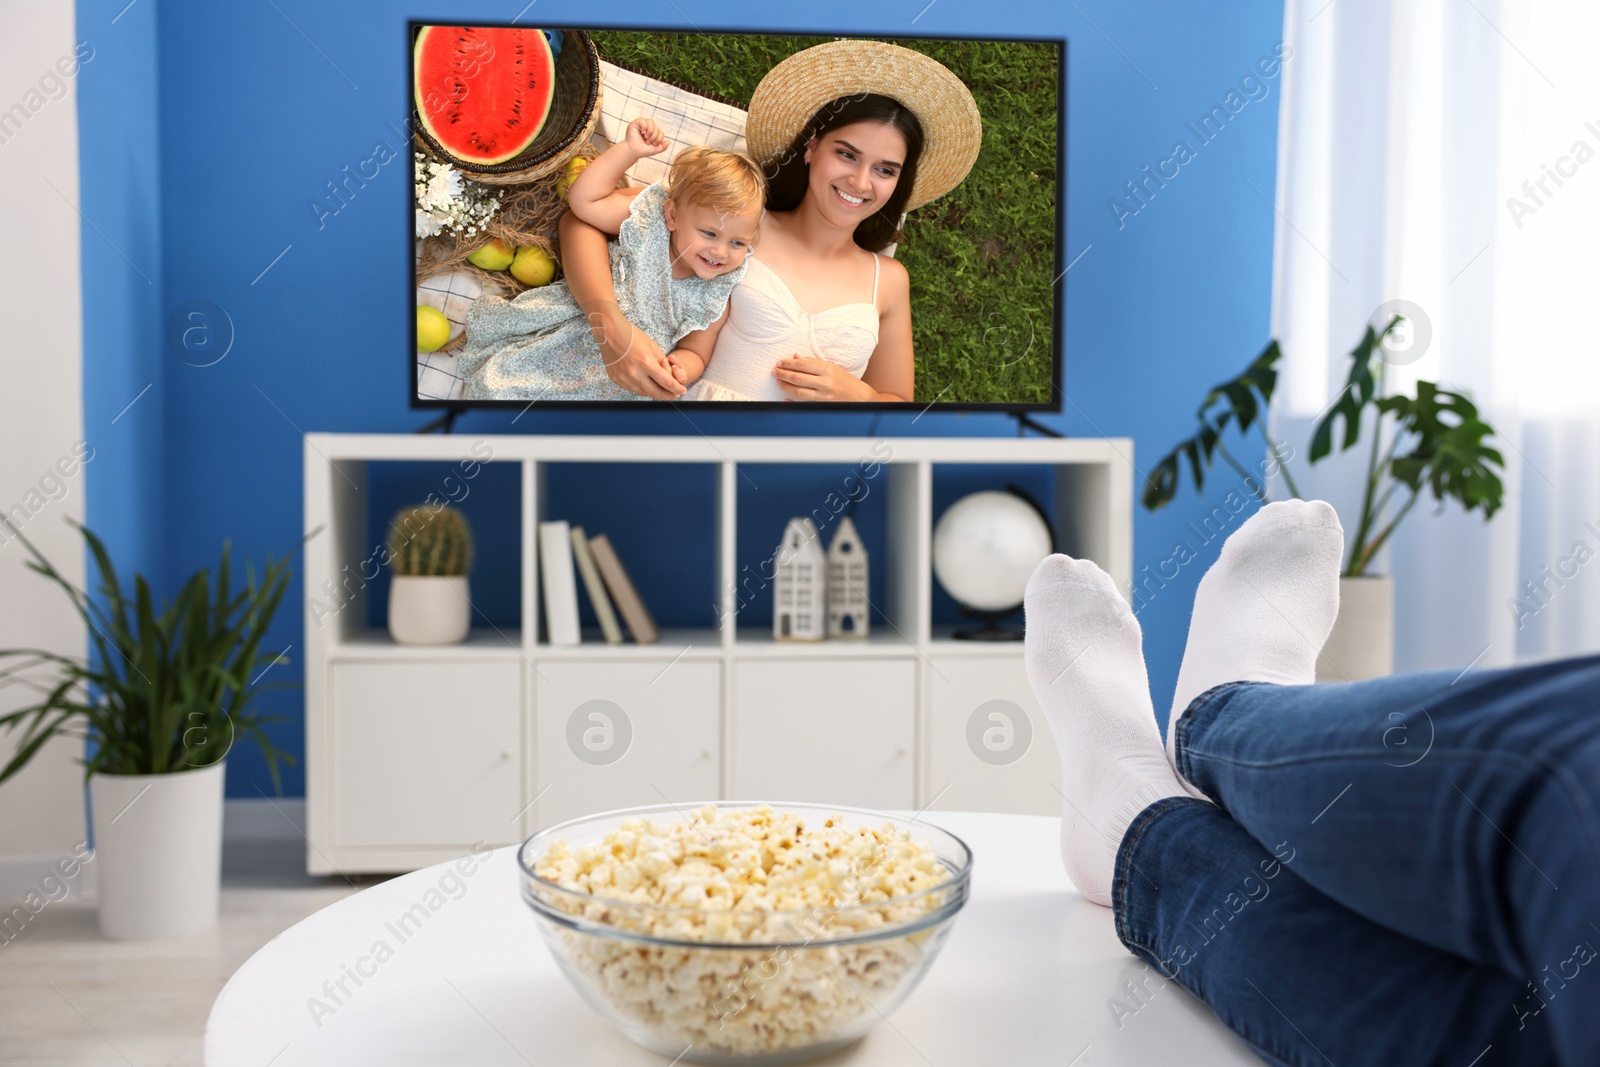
(747, 986)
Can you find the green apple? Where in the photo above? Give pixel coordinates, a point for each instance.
(496, 255)
(433, 329)
(532, 266)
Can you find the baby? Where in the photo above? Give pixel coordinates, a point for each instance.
(682, 246)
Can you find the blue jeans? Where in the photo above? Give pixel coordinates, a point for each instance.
(1398, 871)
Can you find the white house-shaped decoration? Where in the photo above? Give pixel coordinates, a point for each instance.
(848, 609)
(798, 585)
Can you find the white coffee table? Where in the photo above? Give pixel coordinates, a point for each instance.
(1028, 976)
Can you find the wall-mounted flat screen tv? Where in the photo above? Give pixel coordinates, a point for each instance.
(611, 217)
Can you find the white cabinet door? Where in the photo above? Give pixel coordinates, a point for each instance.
(617, 735)
(832, 731)
(426, 754)
(990, 746)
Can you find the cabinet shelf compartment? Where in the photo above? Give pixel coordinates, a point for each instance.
(673, 568)
(885, 501)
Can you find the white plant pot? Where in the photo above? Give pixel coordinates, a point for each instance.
(429, 609)
(1362, 642)
(158, 852)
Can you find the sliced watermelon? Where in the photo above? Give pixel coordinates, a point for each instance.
(483, 93)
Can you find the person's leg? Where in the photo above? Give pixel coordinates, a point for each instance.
(1168, 863)
(1304, 980)
(1085, 664)
(1448, 809)
(1265, 608)
(1462, 811)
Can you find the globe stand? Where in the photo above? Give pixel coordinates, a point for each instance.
(955, 561)
(991, 629)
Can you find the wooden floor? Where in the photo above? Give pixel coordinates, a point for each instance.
(70, 998)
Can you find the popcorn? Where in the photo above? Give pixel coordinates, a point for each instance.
(730, 878)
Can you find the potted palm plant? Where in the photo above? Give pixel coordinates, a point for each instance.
(430, 602)
(160, 699)
(1433, 442)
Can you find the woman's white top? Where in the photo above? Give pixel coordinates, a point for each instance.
(766, 324)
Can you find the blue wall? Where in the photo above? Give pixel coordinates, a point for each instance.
(261, 105)
(124, 373)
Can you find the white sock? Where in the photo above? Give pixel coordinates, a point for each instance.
(1264, 609)
(1086, 667)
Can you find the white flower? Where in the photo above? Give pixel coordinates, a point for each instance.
(443, 187)
(444, 201)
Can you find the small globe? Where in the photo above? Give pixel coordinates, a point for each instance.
(985, 547)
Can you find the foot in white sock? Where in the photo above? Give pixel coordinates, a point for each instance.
(1265, 608)
(1087, 670)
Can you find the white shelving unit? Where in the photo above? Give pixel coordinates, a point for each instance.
(413, 754)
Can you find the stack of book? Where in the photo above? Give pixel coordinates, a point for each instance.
(565, 553)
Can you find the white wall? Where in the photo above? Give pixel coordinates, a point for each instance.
(41, 409)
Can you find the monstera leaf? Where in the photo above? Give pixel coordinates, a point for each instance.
(1359, 389)
(1241, 401)
(1448, 454)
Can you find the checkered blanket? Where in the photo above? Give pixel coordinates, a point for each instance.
(685, 118)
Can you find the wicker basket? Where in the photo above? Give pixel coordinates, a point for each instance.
(574, 112)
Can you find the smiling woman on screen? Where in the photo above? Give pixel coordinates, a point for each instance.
(852, 134)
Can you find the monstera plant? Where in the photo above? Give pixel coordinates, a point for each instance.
(1433, 442)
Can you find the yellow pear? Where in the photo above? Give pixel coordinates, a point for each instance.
(532, 266)
(496, 255)
(433, 329)
(575, 167)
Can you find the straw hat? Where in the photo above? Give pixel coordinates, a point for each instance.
(796, 89)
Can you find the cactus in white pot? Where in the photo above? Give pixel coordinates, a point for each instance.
(430, 549)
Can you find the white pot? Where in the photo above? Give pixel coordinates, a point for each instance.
(1362, 643)
(158, 852)
(429, 609)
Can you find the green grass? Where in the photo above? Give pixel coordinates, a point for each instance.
(981, 257)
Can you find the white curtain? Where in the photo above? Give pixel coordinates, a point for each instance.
(1446, 153)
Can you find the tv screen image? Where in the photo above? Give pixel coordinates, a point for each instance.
(610, 217)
